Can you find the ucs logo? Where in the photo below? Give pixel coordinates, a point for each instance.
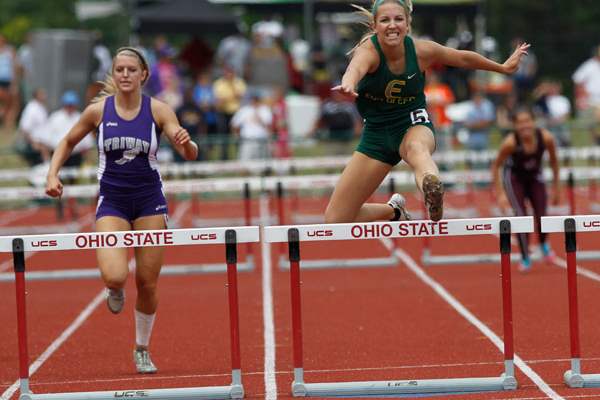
(44, 243)
(131, 393)
(204, 236)
(479, 227)
(320, 233)
(591, 224)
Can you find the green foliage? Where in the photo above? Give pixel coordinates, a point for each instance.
(14, 31)
(562, 33)
(19, 16)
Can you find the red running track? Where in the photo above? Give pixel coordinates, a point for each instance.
(361, 324)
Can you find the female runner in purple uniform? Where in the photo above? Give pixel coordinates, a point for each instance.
(522, 178)
(128, 126)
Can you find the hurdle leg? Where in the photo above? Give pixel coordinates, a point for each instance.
(571, 193)
(280, 215)
(248, 221)
(237, 390)
(592, 192)
(573, 376)
(19, 267)
(509, 369)
(195, 204)
(298, 387)
(60, 210)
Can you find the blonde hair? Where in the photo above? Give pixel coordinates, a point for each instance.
(109, 87)
(368, 17)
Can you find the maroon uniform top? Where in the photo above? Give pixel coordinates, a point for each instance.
(527, 165)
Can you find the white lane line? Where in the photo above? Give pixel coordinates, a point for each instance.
(268, 317)
(12, 216)
(81, 318)
(180, 211)
(580, 270)
(6, 265)
(462, 310)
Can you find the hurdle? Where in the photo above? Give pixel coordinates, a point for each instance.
(429, 259)
(94, 240)
(276, 184)
(246, 221)
(294, 235)
(279, 166)
(171, 187)
(570, 225)
(327, 182)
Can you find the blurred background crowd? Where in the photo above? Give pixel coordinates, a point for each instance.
(257, 83)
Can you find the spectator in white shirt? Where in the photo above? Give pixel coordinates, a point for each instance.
(587, 92)
(559, 112)
(59, 124)
(480, 121)
(31, 129)
(252, 122)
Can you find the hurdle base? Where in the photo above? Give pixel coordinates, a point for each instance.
(390, 261)
(235, 391)
(425, 386)
(491, 258)
(575, 380)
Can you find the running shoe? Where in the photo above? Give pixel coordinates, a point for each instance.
(143, 363)
(525, 265)
(398, 203)
(548, 254)
(433, 190)
(115, 299)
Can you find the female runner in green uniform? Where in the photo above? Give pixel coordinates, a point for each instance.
(386, 77)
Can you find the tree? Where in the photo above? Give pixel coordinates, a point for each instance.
(17, 17)
(562, 33)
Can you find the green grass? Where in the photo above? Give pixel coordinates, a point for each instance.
(8, 157)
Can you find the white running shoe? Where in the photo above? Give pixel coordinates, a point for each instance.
(398, 203)
(143, 363)
(115, 299)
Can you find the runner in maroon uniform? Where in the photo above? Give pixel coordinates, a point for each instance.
(522, 178)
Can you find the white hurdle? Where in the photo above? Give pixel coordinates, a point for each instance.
(570, 225)
(279, 166)
(427, 258)
(230, 237)
(294, 235)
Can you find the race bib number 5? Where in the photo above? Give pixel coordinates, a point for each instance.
(419, 116)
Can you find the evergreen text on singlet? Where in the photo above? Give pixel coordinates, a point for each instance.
(385, 97)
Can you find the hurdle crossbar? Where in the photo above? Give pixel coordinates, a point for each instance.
(570, 225)
(210, 168)
(401, 177)
(230, 237)
(294, 235)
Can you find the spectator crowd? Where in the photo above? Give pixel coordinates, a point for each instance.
(233, 100)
